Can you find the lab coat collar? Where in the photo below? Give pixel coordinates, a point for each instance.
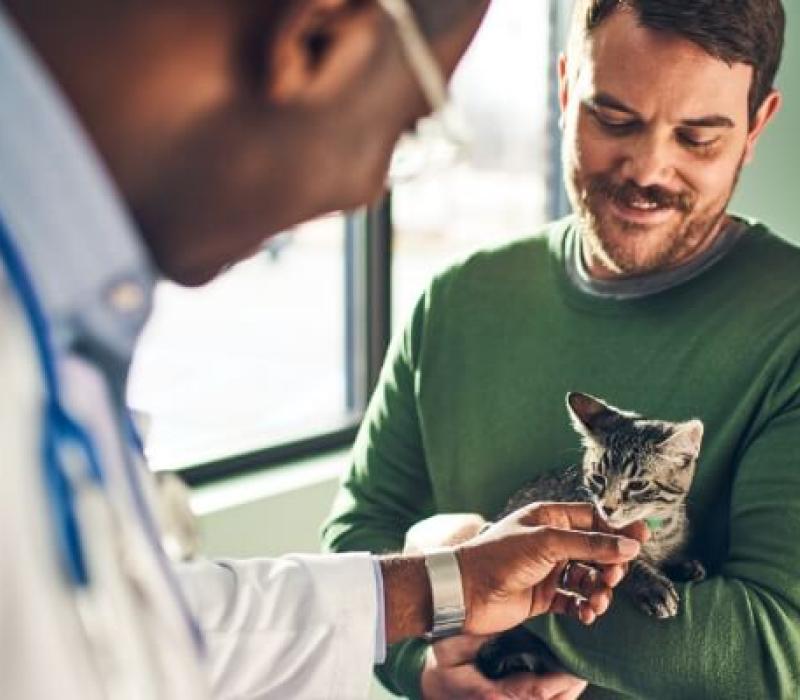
(80, 247)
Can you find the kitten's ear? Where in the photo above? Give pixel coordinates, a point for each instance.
(685, 439)
(591, 417)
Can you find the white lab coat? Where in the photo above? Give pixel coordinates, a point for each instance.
(297, 627)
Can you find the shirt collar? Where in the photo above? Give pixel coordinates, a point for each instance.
(655, 282)
(79, 245)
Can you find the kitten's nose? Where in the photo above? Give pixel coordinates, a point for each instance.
(610, 510)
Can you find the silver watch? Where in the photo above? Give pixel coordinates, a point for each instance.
(447, 593)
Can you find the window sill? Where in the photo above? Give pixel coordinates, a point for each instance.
(269, 483)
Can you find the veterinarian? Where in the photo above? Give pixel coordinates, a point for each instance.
(148, 138)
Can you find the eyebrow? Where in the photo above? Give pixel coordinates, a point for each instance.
(711, 121)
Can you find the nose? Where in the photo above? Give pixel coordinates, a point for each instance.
(647, 162)
(610, 510)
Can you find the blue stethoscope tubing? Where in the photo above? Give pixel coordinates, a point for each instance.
(63, 433)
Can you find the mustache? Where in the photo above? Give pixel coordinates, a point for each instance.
(628, 192)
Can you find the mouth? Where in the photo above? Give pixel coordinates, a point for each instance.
(617, 520)
(639, 211)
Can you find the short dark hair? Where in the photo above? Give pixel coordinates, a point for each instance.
(734, 31)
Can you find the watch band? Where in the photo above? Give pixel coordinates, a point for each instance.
(447, 593)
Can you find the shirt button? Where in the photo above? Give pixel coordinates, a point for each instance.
(126, 297)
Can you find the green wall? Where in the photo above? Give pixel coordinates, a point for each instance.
(770, 186)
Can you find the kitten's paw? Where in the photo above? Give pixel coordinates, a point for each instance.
(516, 663)
(515, 652)
(695, 571)
(491, 659)
(659, 599)
(686, 571)
(494, 662)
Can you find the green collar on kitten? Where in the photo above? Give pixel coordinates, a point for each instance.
(654, 523)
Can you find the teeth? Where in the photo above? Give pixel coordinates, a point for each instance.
(644, 206)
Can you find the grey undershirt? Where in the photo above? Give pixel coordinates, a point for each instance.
(646, 285)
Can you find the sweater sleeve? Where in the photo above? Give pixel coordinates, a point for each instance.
(386, 489)
(737, 634)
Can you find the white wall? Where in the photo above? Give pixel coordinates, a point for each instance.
(770, 186)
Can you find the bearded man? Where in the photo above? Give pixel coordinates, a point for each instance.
(653, 296)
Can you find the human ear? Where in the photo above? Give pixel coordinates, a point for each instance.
(765, 114)
(318, 47)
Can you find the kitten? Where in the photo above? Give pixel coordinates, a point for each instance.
(633, 469)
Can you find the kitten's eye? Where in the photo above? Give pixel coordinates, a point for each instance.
(598, 481)
(637, 485)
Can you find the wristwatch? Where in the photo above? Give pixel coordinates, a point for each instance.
(447, 594)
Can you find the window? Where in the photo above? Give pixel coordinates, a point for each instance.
(253, 359)
(500, 88)
(276, 359)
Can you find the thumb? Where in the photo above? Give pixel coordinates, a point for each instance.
(460, 649)
(560, 545)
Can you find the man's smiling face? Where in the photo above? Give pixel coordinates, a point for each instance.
(656, 131)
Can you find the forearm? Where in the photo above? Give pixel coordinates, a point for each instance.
(730, 639)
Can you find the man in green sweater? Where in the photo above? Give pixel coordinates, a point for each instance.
(652, 297)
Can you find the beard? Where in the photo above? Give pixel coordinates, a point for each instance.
(627, 248)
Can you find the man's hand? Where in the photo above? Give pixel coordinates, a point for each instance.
(513, 570)
(450, 673)
(443, 530)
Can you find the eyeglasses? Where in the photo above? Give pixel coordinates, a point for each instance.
(442, 139)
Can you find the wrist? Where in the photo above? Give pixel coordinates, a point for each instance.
(469, 584)
(407, 597)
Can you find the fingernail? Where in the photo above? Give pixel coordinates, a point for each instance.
(628, 547)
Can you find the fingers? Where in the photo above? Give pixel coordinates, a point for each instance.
(581, 593)
(560, 545)
(548, 685)
(574, 692)
(461, 649)
(577, 516)
(568, 516)
(446, 529)
(637, 531)
(612, 574)
(463, 681)
(588, 584)
(584, 611)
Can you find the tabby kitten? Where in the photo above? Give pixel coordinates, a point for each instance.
(633, 469)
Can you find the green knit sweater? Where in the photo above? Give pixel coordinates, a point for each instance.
(471, 404)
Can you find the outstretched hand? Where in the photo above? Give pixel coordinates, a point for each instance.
(513, 570)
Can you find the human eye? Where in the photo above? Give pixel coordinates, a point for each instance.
(613, 122)
(697, 141)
